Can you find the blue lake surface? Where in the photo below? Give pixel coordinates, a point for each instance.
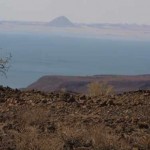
(35, 55)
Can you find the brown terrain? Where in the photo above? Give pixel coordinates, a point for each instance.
(79, 83)
(34, 120)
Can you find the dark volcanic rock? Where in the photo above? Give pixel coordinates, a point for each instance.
(74, 120)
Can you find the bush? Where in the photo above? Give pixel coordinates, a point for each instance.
(99, 89)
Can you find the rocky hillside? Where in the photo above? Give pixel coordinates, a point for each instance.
(79, 83)
(68, 121)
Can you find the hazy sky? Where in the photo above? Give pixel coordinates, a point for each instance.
(88, 11)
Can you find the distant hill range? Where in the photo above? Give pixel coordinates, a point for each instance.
(79, 83)
(63, 21)
(63, 26)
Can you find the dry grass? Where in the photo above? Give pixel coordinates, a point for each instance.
(31, 115)
(32, 140)
(67, 137)
(70, 126)
(29, 137)
(99, 89)
(74, 137)
(142, 142)
(103, 140)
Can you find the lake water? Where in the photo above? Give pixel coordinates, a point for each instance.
(35, 55)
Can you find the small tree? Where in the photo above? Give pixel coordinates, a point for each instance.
(99, 89)
(4, 64)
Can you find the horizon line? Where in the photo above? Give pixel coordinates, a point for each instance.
(38, 21)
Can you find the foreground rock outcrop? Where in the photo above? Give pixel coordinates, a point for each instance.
(71, 121)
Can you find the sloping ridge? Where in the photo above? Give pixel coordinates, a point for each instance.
(79, 83)
(61, 21)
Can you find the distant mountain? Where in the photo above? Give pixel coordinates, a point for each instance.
(61, 21)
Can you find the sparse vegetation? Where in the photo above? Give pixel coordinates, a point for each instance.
(4, 65)
(99, 89)
(33, 120)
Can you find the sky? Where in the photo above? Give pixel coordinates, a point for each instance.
(79, 11)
